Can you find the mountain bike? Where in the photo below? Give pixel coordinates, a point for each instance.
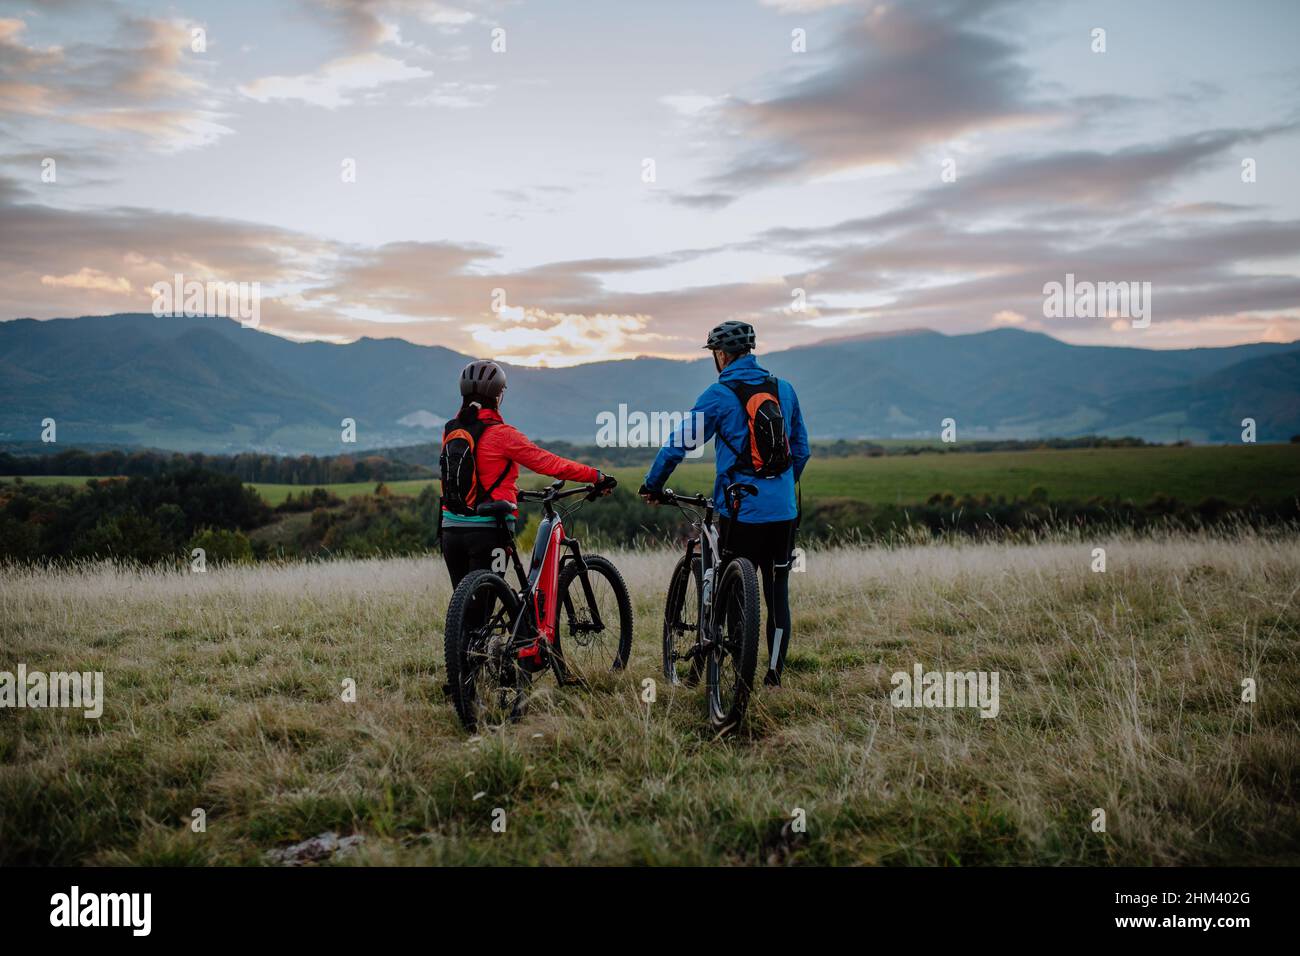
(711, 618)
(571, 613)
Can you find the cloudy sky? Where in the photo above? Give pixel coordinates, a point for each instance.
(775, 169)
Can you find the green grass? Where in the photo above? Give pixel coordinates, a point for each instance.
(1235, 473)
(51, 479)
(275, 494)
(1119, 690)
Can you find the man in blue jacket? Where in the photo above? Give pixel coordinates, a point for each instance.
(764, 531)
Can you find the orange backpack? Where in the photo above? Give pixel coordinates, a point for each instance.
(768, 454)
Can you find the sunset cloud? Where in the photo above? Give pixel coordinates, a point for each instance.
(903, 77)
(142, 82)
(367, 23)
(553, 340)
(91, 280)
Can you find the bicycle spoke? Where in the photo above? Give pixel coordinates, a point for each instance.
(589, 625)
(682, 649)
(729, 648)
(490, 681)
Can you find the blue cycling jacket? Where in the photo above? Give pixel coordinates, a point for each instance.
(719, 410)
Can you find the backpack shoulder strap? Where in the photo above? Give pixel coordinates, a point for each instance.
(738, 389)
(732, 387)
(455, 424)
(476, 428)
(487, 492)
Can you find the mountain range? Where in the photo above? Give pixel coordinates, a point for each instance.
(197, 383)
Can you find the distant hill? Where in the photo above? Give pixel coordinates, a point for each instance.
(208, 384)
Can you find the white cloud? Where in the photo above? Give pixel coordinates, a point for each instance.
(334, 83)
(169, 130)
(804, 6)
(689, 104)
(456, 96)
(441, 14)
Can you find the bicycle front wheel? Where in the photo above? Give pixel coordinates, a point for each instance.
(488, 687)
(682, 624)
(593, 629)
(732, 659)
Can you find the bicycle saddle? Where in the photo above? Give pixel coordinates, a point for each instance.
(495, 509)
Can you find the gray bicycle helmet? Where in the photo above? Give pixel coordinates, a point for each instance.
(483, 377)
(731, 337)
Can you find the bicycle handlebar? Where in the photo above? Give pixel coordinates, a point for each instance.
(553, 492)
(735, 490)
(671, 497)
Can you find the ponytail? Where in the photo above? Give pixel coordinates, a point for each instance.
(473, 403)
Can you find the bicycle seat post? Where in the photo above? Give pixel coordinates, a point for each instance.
(507, 538)
(726, 538)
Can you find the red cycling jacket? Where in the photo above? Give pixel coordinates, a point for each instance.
(504, 446)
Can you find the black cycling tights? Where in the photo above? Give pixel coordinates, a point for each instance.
(768, 545)
(470, 549)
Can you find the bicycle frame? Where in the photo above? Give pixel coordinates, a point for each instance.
(537, 625)
(710, 571)
(712, 562)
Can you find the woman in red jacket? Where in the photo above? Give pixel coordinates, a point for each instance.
(469, 540)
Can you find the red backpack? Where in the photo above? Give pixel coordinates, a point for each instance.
(769, 439)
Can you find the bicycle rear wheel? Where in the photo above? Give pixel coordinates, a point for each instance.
(682, 624)
(593, 630)
(488, 687)
(732, 660)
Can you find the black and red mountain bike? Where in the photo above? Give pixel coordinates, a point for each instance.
(571, 613)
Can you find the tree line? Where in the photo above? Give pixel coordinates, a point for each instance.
(148, 518)
(421, 461)
(162, 518)
(246, 466)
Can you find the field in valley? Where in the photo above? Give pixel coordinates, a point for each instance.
(1234, 473)
(1119, 690)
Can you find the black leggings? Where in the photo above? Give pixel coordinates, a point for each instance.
(470, 549)
(767, 545)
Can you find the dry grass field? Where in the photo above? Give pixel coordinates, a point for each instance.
(1119, 690)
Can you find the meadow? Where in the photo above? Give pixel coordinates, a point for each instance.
(1190, 473)
(1234, 473)
(1120, 691)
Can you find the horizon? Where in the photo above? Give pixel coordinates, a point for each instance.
(838, 167)
(867, 336)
